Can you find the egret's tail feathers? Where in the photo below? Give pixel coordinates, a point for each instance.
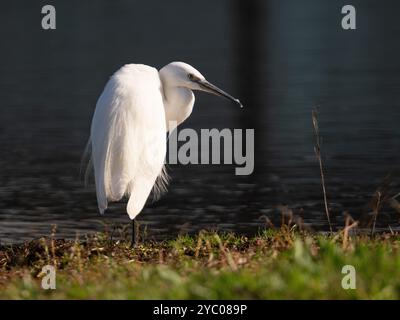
(85, 171)
(140, 189)
(88, 171)
(86, 163)
(102, 201)
(161, 185)
(102, 210)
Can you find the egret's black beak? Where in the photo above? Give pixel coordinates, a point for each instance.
(209, 87)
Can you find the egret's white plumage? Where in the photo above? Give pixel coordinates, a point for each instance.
(129, 127)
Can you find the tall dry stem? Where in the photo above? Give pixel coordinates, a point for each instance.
(317, 149)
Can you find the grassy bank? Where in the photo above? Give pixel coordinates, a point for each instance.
(278, 264)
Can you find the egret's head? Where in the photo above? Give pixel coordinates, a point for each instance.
(181, 74)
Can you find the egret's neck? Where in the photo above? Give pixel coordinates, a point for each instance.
(178, 104)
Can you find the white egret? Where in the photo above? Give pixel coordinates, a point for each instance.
(129, 129)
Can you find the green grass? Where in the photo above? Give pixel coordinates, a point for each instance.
(276, 264)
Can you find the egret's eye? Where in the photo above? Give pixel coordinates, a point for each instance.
(192, 77)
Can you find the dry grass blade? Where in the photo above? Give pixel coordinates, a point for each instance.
(350, 224)
(226, 253)
(377, 205)
(382, 196)
(53, 247)
(267, 221)
(317, 150)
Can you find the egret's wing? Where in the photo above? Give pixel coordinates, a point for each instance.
(128, 137)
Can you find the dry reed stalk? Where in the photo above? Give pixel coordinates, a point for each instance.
(317, 149)
(53, 247)
(378, 196)
(350, 224)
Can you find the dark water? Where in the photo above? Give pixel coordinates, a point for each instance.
(281, 58)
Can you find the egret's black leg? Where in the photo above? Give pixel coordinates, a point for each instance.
(133, 234)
